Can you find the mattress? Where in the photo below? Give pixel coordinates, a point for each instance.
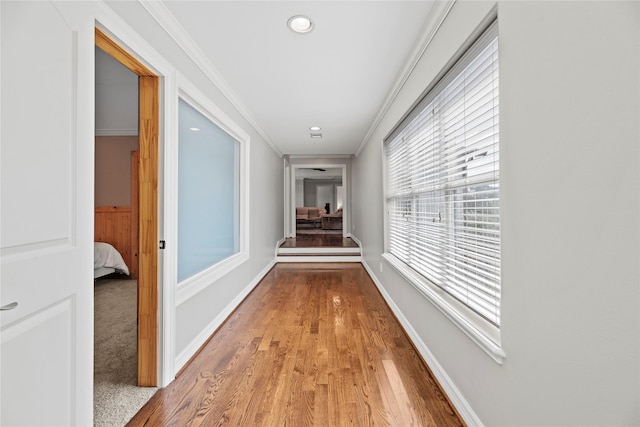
(106, 256)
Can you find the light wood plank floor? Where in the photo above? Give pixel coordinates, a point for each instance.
(312, 345)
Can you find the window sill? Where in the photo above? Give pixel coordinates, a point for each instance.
(485, 335)
(198, 282)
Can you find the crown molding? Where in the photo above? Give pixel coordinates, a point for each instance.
(172, 27)
(436, 17)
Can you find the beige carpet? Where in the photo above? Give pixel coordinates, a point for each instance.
(116, 397)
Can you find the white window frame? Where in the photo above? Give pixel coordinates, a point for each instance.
(483, 332)
(194, 284)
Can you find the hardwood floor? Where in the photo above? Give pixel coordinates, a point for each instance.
(319, 241)
(312, 345)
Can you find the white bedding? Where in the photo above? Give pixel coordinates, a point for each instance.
(106, 255)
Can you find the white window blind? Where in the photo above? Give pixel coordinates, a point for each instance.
(443, 179)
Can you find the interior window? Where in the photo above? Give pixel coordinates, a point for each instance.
(208, 193)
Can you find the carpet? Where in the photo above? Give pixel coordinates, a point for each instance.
(116, 396)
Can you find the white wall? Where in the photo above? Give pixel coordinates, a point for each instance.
(116, 97)
(569, 129)
(113, 170)
(299, 201)
(196, 317)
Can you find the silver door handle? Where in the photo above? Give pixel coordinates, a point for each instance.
(9, 306)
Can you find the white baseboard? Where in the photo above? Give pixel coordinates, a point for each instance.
(191, 349)
(280, 242)
(319, 251)
(457, 399)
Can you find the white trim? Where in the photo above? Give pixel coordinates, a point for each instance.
(355, 239)
(190, 93)
(437, 16)
(119, 31)
(320, 258)
(292, 191)
(287, 195)
(195, 284)
(169, 203)
(281, 241)
(457, 399)
(167, 21)
(454, 311)
(198, 282)
(193, 347)
(319, 250)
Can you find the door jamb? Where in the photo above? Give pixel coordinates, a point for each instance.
(148, 211)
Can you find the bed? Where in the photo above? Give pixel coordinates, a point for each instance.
(107, 260)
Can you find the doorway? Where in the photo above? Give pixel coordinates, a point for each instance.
(147, 221)
(321, 185)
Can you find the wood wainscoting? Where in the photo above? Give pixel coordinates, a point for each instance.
(115, 225)
(119, 225)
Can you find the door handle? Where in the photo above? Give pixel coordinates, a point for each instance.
(9, 306)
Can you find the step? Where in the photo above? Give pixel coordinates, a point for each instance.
(319, 254)
(319, 258)
(325, 250)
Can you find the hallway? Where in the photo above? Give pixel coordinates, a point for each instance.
(313, 344)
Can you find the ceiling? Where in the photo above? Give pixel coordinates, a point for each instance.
(318, 173)
(338, 76)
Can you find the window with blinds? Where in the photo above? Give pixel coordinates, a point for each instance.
(443, 183)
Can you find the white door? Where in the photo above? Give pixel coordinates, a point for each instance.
(46, 223)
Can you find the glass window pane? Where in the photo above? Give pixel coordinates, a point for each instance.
(208, 193)
(443, 183)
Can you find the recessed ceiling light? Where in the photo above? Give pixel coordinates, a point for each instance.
(300, 24)
(315, 128)
(195, 129)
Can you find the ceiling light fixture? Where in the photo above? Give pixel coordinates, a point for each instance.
(316, 135)
(195, 129)
(315, 128)
(300, 24)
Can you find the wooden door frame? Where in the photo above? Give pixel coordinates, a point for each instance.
(149, 125)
